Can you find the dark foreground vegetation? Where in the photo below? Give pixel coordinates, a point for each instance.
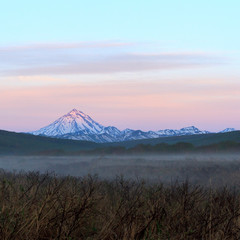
(43, 206)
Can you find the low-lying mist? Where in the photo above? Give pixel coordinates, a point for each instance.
(204, 169)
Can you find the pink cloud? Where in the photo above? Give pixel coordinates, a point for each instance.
(95, 58)
(145, 105)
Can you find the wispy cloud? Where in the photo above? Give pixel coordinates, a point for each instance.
(152, 105)
(57, 45)
(94, 58)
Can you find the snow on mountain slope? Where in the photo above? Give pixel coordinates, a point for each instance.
(228, 130)
(113, 131)
(129, 134)
(183, 131)
(191, 130)
(77, 125)
(99, 138)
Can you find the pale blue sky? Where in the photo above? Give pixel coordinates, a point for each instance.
(206, 25)
(177, 61)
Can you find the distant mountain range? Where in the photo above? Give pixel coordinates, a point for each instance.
(77, 125)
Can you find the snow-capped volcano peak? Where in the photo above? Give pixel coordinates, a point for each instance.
(72, 122)
(76, 113)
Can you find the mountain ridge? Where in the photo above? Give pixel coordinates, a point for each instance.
(76, 125)
(12, 143)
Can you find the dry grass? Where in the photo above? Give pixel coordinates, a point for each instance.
(36, 206)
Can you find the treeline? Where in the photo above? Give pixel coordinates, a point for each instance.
(181, 147)
(165, 148)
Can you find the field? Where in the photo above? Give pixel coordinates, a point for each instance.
(202, 169)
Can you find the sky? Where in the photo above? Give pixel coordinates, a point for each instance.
(146, 65)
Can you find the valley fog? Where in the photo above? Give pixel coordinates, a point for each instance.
(218, 170)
